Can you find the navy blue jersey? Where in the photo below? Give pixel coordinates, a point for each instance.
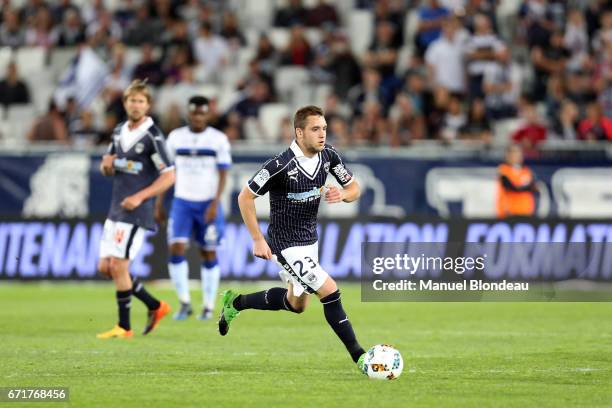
(141, 157)
(295, 184)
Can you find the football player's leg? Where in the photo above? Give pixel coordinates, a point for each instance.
(337, 318)
(209, 237)
(179, 231)
(123, 285)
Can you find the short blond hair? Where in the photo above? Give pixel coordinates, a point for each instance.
(138, 87)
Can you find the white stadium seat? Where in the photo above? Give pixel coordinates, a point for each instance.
(31, 60)
(288, 78)
(270, 117)
(361, 31)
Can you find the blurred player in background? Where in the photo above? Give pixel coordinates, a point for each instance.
(202, 159)
(296, 180)
(516, 186)
(138, 161)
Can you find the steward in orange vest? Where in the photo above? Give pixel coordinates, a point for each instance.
(516, 186)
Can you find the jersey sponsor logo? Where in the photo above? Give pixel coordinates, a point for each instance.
(128, 166)
(293, 174)
(262, 177)
(306, 196)
(326, 167)
(139, 148)
(341, 173)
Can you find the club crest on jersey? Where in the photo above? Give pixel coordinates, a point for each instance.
(139, 148)
(326, 167)
(262, 177)
(119, 234)
(293, 174)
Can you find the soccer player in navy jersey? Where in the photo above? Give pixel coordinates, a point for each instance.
(295, 180)
(141, 170)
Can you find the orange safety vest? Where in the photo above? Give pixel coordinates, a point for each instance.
(510, 202)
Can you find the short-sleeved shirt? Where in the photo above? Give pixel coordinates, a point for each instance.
(141, 158)
(296, 185)
(197, 157)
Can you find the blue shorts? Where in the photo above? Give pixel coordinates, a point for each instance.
(187, 221)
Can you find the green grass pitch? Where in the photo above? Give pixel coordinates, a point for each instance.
(455, 354)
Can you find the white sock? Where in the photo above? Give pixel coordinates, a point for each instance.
(179, 273)
(210, 285)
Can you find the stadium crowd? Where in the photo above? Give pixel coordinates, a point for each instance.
(447, 70)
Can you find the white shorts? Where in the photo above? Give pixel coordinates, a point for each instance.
(121, 240)
(301, 268)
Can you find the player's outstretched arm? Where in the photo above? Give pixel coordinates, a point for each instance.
(347, 194)
(161, 184)
(106, 166)
(246, 202)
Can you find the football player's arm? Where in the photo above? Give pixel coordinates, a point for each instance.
(246, 202)
(348, 193)
(211, 211)
(160, 185)
(106, 165)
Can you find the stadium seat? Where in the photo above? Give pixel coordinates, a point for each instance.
(279, 37)
(314, 36)
(5, 56)
(19, 119)
(287, 79)
(255, 14)
(270, 117)
(30, 60)
(410, 27)
(42, 86)
(59, 59)
(361, 31)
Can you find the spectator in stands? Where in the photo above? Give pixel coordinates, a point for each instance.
(11, 32)
(429, 28)
(298, 51)
(454, 119)
(604, 32)
(547, 61)
(444, 59)
(580, 89)
(338, 132)
(59, 10)
(516, 186)
(149, 67)
(483, 49)
(230, 30)
(248, 107)
(172, 71)
(83, 131)
(566, 126)
(212, 54)
(369, 90)
(323, 14)
(500, 89)
(266, 55)
(50, 127)
(576, 40)
(177, 39)
(478, 126)
(12, 89)
(125, 12)
(143, 29)
(391, 12)
(290, 15)
(344, 66)
(103, 32)
(71, 32)
(537, 22)
(532, 132)
(595, 127)
(41, 33)
(382, 53)
(407, 123)
(371, 128)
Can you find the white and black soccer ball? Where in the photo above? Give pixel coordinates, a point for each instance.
(383, 362)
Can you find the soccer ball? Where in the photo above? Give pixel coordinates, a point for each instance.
(383, 362)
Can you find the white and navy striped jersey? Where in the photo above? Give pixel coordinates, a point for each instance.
(197, 157)
(296, 184)
(141, 158)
